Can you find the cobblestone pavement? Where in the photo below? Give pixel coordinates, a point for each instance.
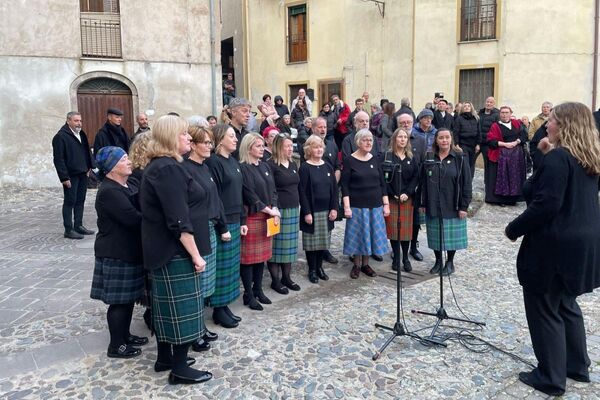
(314, 344)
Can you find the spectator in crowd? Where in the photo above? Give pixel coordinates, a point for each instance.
(307, 101)
(487, 116)
(285, 124)
(228, 89)
(446, 194)
(385, 130)
(280, 107)
(526, 123)
(268, 111)
(212, 121)
(404, 109)
(73, 163)
(366, 102)
(142, 121)
(329, 115)
(342, 112)
(349, 145)
(424, 128)
(269, 134)
(299, 113)
(359, 106)
(539, 119)
(112, 133)
(375, 120)
(318, 196)
(441, 116)
(239, 113)
(305, 131)
(467, 134)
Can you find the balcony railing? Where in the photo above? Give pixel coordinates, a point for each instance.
(478, 22)
(101, 35)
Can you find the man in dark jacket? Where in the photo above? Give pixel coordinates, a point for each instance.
(73, 162)
(360, 106)
(441, 117)
(112, 133)
(404, 109)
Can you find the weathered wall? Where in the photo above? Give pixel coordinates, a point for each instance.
(233, 26)
(166, 57)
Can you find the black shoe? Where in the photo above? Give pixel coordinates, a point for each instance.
(83, 230)
(137, 340)
(328, 257)
(200, 345)
(529, 379)
(250, 301)
(210, 336)
(355, 272)
(290, 285)
(376, 257)
(395, 265)
(260, 296)
(448, 268)
(367, 270)
(71, 234)
(321, 274)
(232, 315)
(160, 366)
(312, 276)
(199, 377)
(579, 377)
(406, 265)
(414, 252)
(220, 317)
(123, 351)
(436, 267)
(279, 289)
(351, 258)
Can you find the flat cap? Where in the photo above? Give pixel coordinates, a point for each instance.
(115, 111)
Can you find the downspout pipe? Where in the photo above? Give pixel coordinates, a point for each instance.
(595, 71)
(213, 64)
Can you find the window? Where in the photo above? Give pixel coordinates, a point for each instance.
(478, 20)
(100, 28)
(297, 43)
(328, 88)
(475, 85)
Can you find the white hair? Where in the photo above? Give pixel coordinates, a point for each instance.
(199, 121)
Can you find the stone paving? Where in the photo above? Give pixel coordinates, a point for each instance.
(314, 344)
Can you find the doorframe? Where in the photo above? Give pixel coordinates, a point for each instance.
(104, 74)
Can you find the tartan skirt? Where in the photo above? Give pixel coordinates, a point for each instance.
(227, 282)
(455, 233)
(320, 239)
(177, 310)
(365, 233)
(285, 243)
(256, 246)
(117, 281)
(400, 214)
(208, 276)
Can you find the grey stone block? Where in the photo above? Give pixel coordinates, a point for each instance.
(58, 353)
(16, 364)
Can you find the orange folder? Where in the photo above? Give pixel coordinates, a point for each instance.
(272, 229)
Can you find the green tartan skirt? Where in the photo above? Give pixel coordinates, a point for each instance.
(455, 234)
(177, 302)
(227, 282)
(208, 276)
(321, 238)
(285, 243)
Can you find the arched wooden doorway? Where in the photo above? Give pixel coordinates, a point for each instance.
(95, 96)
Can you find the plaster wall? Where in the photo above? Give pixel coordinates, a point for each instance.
(233, 27)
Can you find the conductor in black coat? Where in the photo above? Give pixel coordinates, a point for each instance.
(559, 257)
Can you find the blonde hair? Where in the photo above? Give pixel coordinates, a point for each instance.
(394, 143)
(310, 143)
(138, 152)
(577, 133)
(165, 137)
(278, 156)
(473, 112)
(247, 142)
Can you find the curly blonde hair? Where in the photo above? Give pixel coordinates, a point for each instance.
(577, 133)
(165, 137)
(138, 153)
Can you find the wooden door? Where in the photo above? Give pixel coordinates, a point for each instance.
(328, 88)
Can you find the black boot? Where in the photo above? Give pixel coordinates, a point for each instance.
(319, 264)
(276, 285)
(257, 277)
(312, 266)
(438, 263)
(396, 254)
(232, 315)
(220, 317)
(249, 300)
(286, 279)
(414, 244)
(405, 263)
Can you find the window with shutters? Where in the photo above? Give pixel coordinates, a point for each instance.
(297, 42)
(100, 28)
(478, 20)
(476, 85)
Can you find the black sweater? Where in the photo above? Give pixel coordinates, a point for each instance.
(467, 131)
(409, 176)
(119, 223)
(172, 203)
(259, 187)
(363, 182)
(227, 173)
(318, 192)
(286, 184)
(71, 156)
(201, 174)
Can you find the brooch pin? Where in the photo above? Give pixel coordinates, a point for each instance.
(238, 170)
(448, 161)
(266, 173)
(328, 174)
(371, 165)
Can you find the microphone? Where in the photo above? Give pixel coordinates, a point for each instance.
(430, 159)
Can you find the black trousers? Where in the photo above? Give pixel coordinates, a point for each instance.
(558, 336)
(74, 201)
(470, 153)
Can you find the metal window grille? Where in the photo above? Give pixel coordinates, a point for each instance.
(478, 20)
(101, 36)
(475, 85)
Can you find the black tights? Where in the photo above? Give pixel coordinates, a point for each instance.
(396, 249)
(118, 317)
(278, 277)
(450, 254)
(314, 259)
(175, 355)
(252, 275)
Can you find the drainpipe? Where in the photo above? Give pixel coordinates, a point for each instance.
(213, 65)
(595, 73)
(246, 58)
(412, 57)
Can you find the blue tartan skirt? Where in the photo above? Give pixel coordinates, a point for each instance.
(117, 281)
(285, 243)
(177, 310)
(365, 233)
(209, 275)
(455, 233)
(227, 279)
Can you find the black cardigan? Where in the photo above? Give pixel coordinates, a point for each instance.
(227, 173)
(259, 187)
(71, 157)
(560, 227)
(119, 223)
(305, 191)
(172, 203)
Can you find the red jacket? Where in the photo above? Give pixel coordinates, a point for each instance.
(343, 118)
(495, 133)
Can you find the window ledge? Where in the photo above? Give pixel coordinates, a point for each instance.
(478, 41)
(88, 58)
(296, 62)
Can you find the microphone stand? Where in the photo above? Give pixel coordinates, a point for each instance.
(441, 313)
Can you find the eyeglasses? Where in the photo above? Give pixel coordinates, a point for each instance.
(208, 143)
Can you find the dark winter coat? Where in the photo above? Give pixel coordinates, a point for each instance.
(439, 121)
(467, 132)
(485, 123)
(111, 135)
(298, 117)
(71, 157)
(281, 109)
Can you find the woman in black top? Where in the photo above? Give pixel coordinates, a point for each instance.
(227, 174)
(445, 194)
(174, 209)
(118, 272)
(401, 172)
(299, 113)
(280, 107)
(467, 133)
(366, 203)
(202, 142)
(329, 115)
(318, 195)
(559, 257)
(260, 201)
(285, 124)
(285, 243)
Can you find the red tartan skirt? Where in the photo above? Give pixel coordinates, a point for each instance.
(403, 214)
(256, 246)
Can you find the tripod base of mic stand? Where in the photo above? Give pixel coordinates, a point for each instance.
(442, 315)
(397, 330)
